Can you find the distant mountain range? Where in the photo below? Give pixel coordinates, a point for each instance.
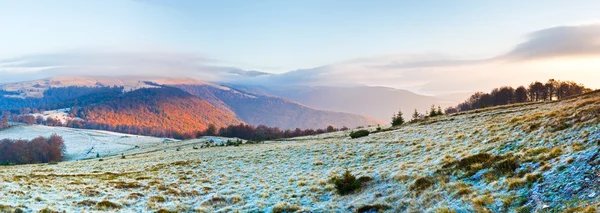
(377, 102)
(279, 106)
(179, 104)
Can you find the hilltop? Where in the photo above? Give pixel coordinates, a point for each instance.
(515, 158)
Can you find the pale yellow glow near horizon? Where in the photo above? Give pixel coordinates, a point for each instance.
(585, 70)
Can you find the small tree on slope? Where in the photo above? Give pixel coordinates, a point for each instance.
(397, 119)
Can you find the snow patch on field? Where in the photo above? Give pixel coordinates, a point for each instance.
(82, 143)
(60, 114)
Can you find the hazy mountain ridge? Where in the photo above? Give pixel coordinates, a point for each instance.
(378, 102)
(252, 108)
(258, 109)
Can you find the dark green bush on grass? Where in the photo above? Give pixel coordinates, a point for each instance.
(373, 208)
(346, 184)
(359, 133)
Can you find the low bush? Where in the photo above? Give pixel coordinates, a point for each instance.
(346, 184)
(38, 150)
(359, 134)
(373, 208)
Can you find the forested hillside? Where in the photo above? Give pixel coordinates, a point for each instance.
(60, 97)
(165, 112)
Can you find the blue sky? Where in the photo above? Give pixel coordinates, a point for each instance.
(280, 36)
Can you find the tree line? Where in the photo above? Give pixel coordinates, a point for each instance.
(57, 98)
(38, 150)
(535, 92)
(262, 132)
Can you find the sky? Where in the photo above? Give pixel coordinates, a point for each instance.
(431, 47)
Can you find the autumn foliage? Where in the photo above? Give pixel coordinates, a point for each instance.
(163, 112)
(38, 150)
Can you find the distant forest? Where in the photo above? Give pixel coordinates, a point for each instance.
(38, 150)
(57, 98)
(536, 91)
(262, 132)
(161, 112)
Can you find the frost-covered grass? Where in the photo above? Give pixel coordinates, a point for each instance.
(61, 115)
(538, 157)
(81, 143)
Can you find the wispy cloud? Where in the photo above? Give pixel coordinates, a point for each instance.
(440, 73)
(548, 53)
(563, 41)
(119, 63)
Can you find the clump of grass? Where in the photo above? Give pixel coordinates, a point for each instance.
(422, 183)
(508, 201)
(464, 191)
(532, 178)
(90, 193)
(157, 199)
(498, 164)
(515, 183)
(286, 208)
(401, 177)
(577, 146)
(87, 203)
(47, 210)
(165, 211)
(346, 184)
(483, 201)
(444, 210)
(216, 201)
(364, 179)
(236, 199)
(126, 185)
(506, 166)
(105, 205)
(11, 209)
(135, 195)
(589, 209)
(372, 208)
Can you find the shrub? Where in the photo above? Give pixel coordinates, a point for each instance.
(359, 133)
(373, 208)
(38, 150)
(346, 184)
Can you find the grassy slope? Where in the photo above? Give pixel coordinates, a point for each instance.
(553, 144)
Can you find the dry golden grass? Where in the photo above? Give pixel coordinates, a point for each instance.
(462, 163)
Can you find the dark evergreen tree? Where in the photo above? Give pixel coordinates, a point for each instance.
(397, 119)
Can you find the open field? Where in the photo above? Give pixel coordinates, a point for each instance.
(526, 158)
(83, 143)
